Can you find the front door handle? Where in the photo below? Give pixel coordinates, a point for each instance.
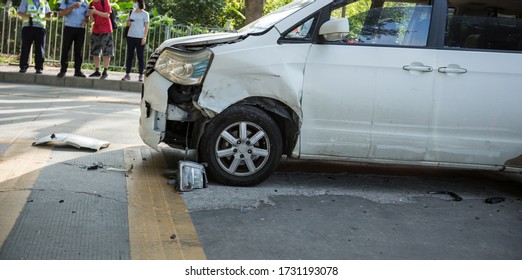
(418, 68)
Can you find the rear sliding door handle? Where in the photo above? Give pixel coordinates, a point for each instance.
(418, 68)
(451, 70)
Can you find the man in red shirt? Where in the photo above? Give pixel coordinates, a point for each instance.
(101, 37)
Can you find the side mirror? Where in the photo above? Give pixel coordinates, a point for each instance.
(335, 29)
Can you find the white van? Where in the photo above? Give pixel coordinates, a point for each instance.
(415, 82)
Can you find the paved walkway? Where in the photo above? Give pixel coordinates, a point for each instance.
(9, 74)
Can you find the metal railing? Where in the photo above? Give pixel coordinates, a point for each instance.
(11, 28)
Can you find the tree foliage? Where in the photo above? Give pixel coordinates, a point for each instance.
(220, 13)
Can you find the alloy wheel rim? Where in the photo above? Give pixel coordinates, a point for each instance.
(242, 149)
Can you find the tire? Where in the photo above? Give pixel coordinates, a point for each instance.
(242, 146)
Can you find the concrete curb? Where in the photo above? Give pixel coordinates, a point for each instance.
(10, 74)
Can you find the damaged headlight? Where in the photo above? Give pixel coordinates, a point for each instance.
(186, 68)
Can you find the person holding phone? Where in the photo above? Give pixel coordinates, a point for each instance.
(138, 22)
(76, 18)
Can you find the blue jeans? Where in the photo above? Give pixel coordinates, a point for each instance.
(134, 44)
(30, 35)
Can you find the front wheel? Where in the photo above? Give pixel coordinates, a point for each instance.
(242, 146)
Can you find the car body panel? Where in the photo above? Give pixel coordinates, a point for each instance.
(239, 73)
(369, 118)
(153, 109)
(478, 112)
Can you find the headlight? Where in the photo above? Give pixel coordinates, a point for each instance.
(186, 68)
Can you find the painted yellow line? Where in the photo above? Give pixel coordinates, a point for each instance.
(157, 212)
(20, 165)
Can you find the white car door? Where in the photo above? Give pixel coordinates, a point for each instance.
(478, 90)
(370, 97)
(337, 102)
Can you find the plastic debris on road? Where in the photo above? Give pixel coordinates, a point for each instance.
(494, 200)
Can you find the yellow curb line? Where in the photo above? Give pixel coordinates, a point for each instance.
(160, 227)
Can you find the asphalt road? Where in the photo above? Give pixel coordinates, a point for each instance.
(307, 210)
(361, 213)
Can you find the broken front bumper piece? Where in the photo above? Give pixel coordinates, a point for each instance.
(73, 140)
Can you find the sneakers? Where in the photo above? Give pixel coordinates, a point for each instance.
(79, 74)
(38, 71)
(126, 78)
(95, 74)
(23, 70)
(60, 75)
(102, 76)
(140, 78)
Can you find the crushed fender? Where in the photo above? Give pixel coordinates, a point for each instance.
(73, 140)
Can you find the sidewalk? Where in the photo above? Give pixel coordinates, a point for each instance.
(9, 74)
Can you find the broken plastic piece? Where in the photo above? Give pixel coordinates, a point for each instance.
(191, 176)
(455, 196)
(92, 167)
(493, 200)
(73, 140)
(128, 169)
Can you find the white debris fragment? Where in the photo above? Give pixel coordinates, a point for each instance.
(73, 140)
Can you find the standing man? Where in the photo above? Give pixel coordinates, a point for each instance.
(33, 14)
(101, 37)
(76, 18)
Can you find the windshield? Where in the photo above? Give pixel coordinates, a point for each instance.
(274, 17)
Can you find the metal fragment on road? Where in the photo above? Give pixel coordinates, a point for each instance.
(455, 196)
(76, 141)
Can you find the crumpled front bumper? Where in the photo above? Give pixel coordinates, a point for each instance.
(153, 109)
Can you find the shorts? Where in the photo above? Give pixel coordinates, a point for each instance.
(102, 43)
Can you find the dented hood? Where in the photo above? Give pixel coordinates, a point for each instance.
(202, 39)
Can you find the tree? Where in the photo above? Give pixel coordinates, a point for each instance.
(254, 9)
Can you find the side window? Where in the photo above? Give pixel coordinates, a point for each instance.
(302, 32)
(393, 23)
(490, 25)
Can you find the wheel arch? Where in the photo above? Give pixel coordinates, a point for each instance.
(285, 118)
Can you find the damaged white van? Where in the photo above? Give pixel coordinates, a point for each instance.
(415, 82)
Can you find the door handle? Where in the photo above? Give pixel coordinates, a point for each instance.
(451, 70)
(418, 68)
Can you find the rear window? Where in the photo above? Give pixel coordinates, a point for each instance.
(496, 25)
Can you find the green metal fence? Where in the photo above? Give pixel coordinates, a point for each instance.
(11, 27)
